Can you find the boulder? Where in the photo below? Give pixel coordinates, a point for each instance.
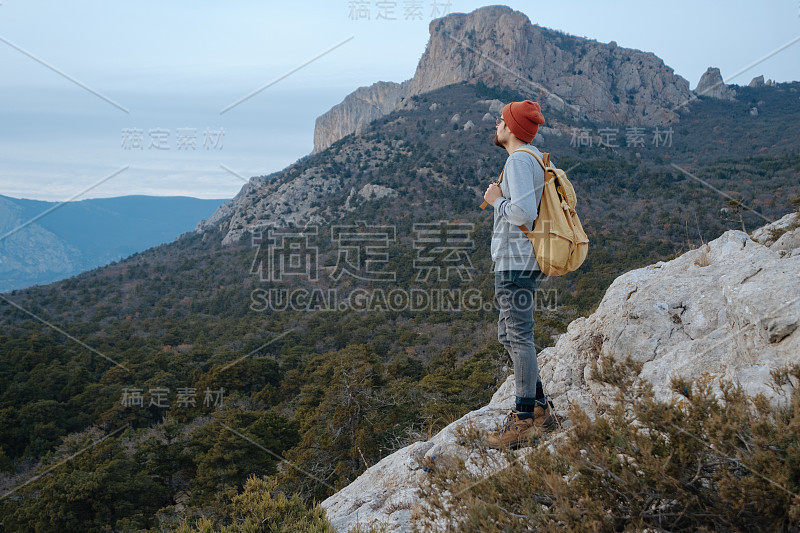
(711, 85)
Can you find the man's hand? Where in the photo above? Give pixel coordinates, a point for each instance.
(492, 194)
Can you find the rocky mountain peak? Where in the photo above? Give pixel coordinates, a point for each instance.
(498, 46)
(463, 45)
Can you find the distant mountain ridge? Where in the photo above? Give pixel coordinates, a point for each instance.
(499, 46)
(78, 236)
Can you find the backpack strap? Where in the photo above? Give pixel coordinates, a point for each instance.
(546, 164)
(546, 155)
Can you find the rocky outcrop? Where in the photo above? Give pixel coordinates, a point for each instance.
(301, 195)
(729, 309)
(376, 192)
(275, 204)
(228, 209)
(712, 85)
(781, 236)
(500, 47)
(368, 192)
(357, 110)
(758, 81)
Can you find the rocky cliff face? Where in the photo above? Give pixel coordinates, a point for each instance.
(500, 47)
(358, 109)
(729, 309)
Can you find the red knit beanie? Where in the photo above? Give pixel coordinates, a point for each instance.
(523, 119)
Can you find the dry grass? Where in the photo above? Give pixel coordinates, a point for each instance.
(703, 258)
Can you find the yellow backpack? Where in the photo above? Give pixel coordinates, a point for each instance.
(558, 238)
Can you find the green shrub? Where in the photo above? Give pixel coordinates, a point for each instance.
(260, 509)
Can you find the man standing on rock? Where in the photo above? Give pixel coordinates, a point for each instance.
(517, 274)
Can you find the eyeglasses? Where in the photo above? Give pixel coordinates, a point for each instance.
(498, 121)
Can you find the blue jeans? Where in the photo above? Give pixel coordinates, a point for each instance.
(515, 297)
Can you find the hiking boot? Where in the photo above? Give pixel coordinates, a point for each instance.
(517, 427)
(543, 418)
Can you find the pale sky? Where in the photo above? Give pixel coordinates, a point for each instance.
(174, 66)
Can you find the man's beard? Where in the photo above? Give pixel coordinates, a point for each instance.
(497, 141)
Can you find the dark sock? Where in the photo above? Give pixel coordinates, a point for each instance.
(526, 407)
(540, 399)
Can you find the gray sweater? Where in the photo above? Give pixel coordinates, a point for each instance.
(523, 181)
